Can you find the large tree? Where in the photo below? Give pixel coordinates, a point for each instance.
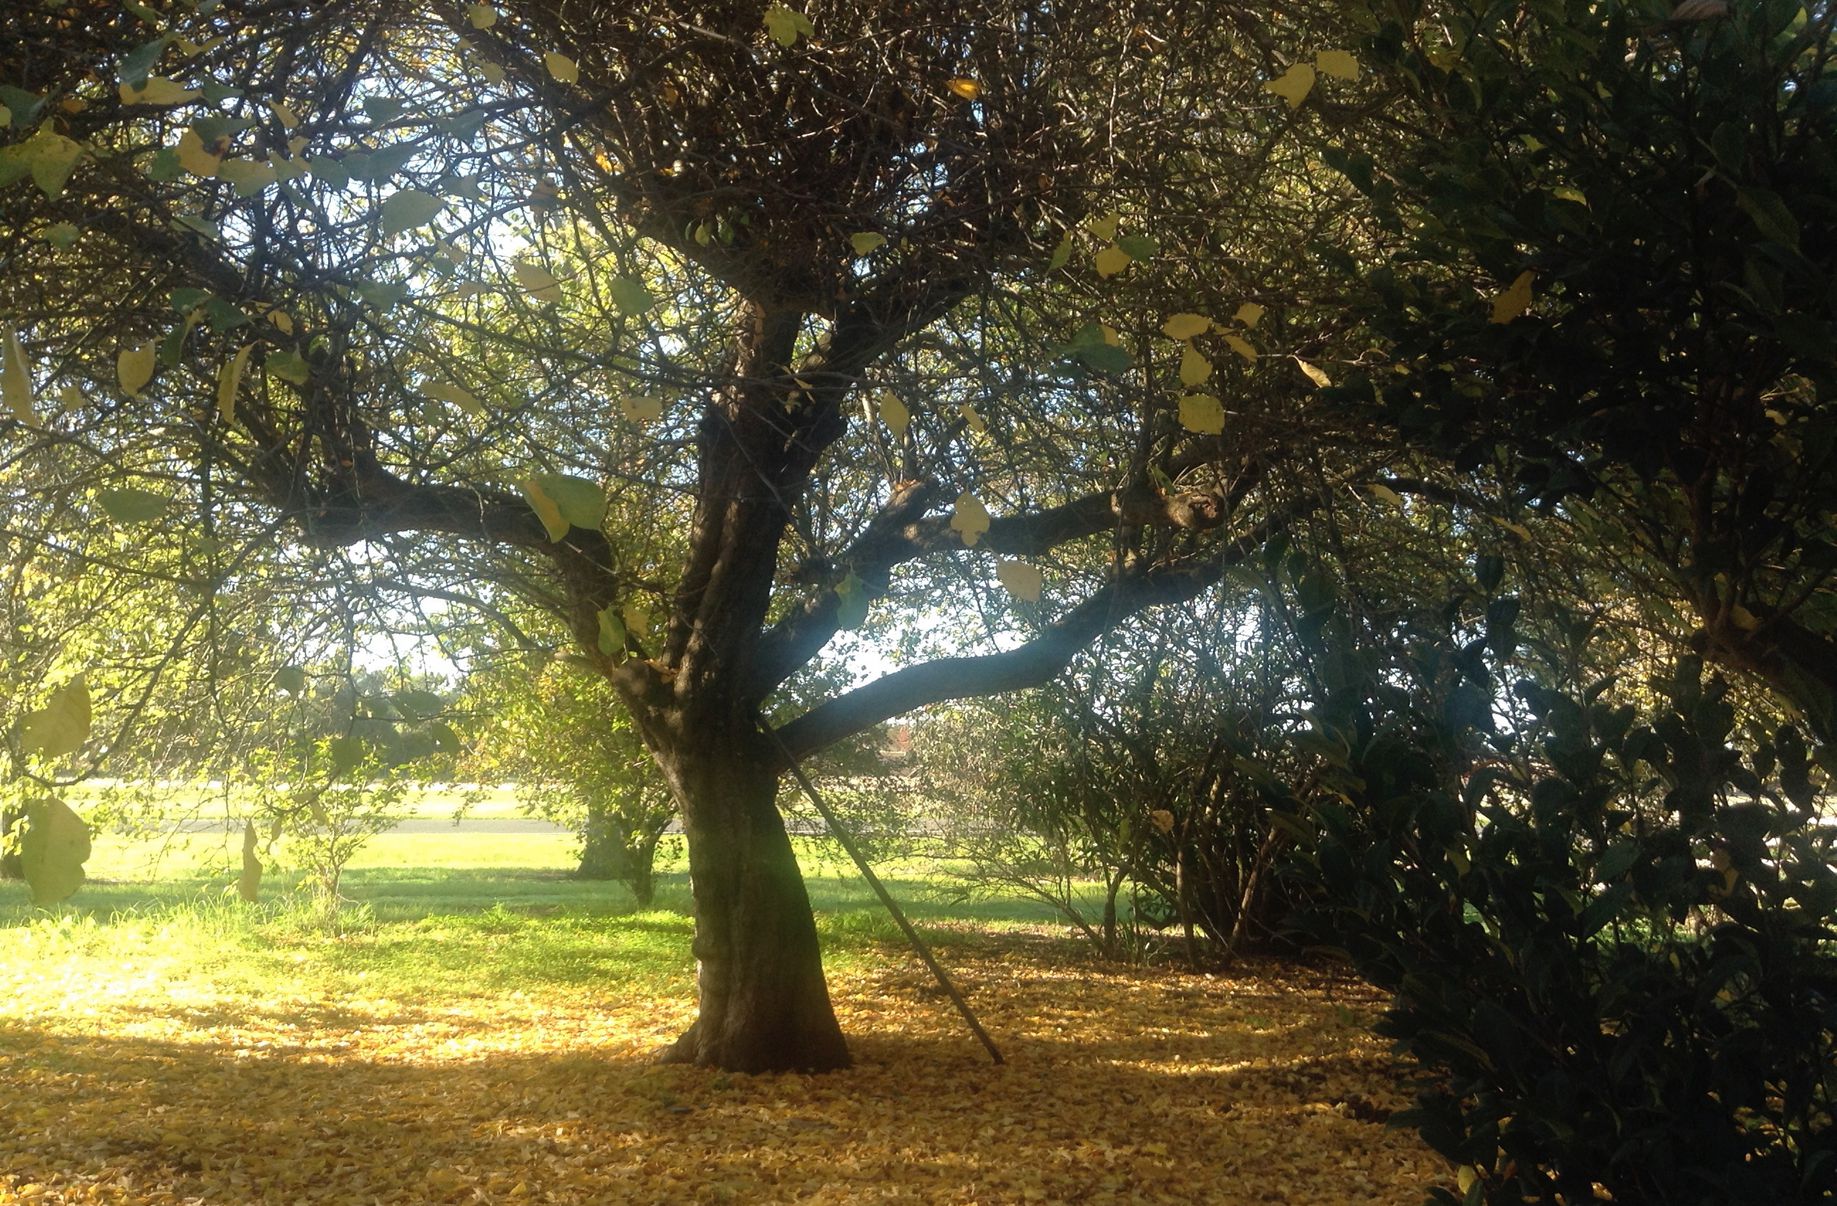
(705, 325)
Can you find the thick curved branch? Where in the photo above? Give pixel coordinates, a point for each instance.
(1034, 663)
(901, 533)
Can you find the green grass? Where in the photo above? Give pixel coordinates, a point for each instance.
(437, 916)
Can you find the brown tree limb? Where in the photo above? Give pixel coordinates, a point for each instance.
(1037, 661)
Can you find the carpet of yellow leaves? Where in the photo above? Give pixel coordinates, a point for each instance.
(1261, 1086)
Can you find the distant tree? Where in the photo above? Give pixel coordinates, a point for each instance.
(554, 730)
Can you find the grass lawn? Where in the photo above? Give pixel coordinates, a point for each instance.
(480, 1027)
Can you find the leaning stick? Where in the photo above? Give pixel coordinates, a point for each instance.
(886, 898)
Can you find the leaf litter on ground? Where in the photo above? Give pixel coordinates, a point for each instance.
(144, 1083)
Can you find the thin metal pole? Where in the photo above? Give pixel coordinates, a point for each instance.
(873, 881)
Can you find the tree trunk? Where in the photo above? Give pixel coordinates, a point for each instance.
(601, 856)
(764, 1005)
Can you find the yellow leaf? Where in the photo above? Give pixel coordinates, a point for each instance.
(1241, 346)
(969, 518)
(158, 90)
(1104, 227)
(1314, 373)
(493, 72)
(283, 321)
(481, 16)
(1250, 314)
(1384, 493)
(1517, 529)
(16, 380)
(1022, 580)
(1340, 64)
(972, 419)
(546, 509)
(1515, 299)
(1112, 260)
(965, 87)
(1162, 820)
(285, 115)
(1195, 369)
(538, 281)
(229, 382)
(1186, 326)
(134, 367)
(463, 398)
(1293, 85)
(561, 67)
(894, 414)
(866, 242)
(195, 158)
(1202, 413)
(641, 409)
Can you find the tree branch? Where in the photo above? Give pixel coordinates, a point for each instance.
(1034, 663)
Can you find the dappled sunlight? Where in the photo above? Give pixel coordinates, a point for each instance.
(1120, 1086)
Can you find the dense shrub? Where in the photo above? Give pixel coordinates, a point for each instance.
(1619, 952)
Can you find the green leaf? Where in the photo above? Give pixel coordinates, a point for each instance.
(62, 725)
(867, 242)
(345, 753)
(52, 851)
(224, 315)
(785, 25)
(581, 502)
(291, 679)
(22, 107)
(406, 209)
(384, 108)
(1770, 215)
(1062, 254)
(630, 295)
(184, 301)
(288, 365)
(416, 703)
(131, 504)
(247, 176)
(851, 602)
(1139, 247)
(381, 295)
(612, 633)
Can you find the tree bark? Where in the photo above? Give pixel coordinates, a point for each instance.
(764, 1005)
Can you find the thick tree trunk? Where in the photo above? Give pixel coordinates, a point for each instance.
(764, 1005)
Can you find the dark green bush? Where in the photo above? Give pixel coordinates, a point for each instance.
(1618, 952)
